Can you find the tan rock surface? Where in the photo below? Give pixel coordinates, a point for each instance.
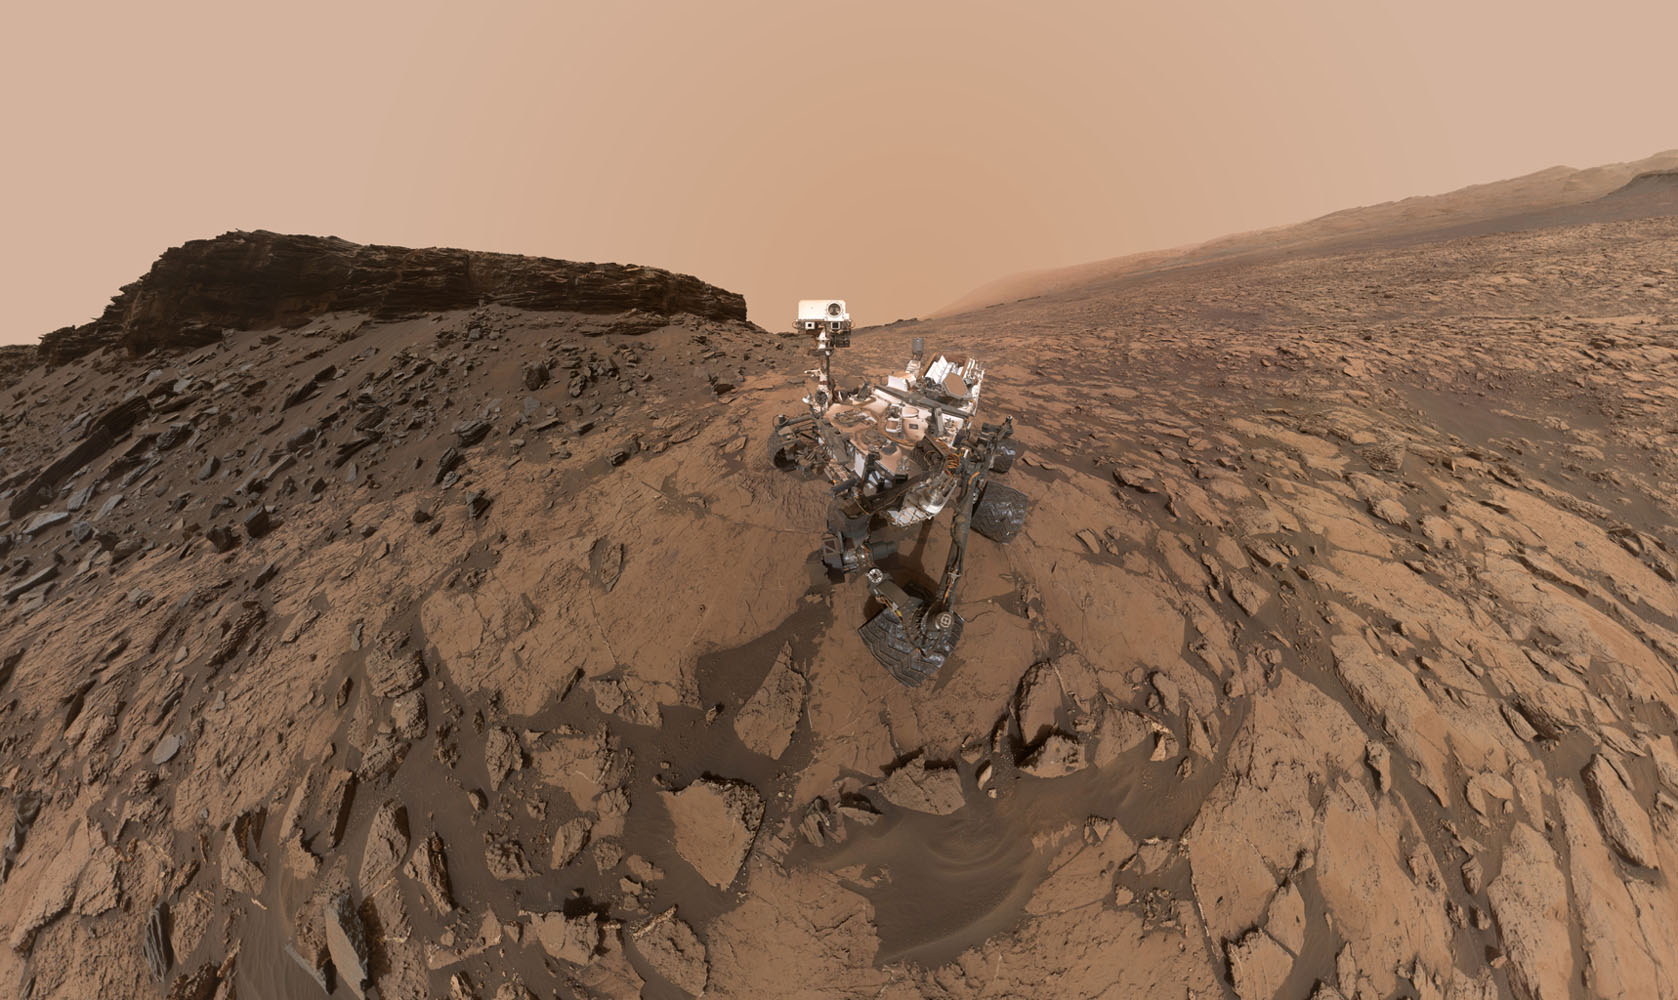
(1343, 621)
(715, 823)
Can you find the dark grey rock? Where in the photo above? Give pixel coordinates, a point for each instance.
(173, 436)
(346, 938)
(471, 432)
(310, 387)
(44, 521)
(623, 451)
(30, 582)
(258, 523)
(220, 538)
(446, 463)
(102, 435)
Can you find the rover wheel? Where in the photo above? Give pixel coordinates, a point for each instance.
(1001, 512)
(1002, 459)
(910, 658)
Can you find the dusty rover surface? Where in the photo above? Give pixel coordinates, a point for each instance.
(899, 452)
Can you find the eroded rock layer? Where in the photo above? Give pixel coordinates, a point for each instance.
(243, 280)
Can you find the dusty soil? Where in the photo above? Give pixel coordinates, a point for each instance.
(1347, 600)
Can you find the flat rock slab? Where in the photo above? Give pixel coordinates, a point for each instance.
(716, 821)
(1258, 965)
(1623, 820)
(54, 891)
(1529, 899)
(766, 722)
(166, 749)
(346, 938)
(915, 786)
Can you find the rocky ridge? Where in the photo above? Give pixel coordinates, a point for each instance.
(244, 280)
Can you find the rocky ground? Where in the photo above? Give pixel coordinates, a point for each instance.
(481, 653)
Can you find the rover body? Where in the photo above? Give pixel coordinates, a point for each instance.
(899, 451)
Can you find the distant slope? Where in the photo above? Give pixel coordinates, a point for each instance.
(1649, 185)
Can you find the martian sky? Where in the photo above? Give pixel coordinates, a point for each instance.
(894, 153)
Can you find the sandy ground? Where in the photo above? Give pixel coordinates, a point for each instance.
(1336, 659)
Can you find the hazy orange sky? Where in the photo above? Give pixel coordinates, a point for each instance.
(897, 154)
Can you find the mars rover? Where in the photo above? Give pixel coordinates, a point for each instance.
(899, 452)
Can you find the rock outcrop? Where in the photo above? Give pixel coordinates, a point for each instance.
(246, 280)
(15, 359)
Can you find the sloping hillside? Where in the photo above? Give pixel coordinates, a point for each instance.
(1559, 195)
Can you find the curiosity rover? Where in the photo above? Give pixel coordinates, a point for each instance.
(899, 452)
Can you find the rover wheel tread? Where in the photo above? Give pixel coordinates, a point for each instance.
(889, 642)
(1001, 512)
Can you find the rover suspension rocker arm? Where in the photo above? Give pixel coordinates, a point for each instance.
(911, 637)
(938, 614)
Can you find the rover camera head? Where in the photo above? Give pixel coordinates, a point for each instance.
(827, 320)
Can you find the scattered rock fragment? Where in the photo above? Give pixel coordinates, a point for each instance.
(336, 795)
(569, 841)
(916, 786)
(572, 939)
(502, 755)
(387, 845)
(430, 868)
(1059, 755)
(470, 432)
(407, 715)
(1390, 511)
(1137, 478)
(166, 749)
(239, 851)
(670, 946)
(258, 523)
(506, 861)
